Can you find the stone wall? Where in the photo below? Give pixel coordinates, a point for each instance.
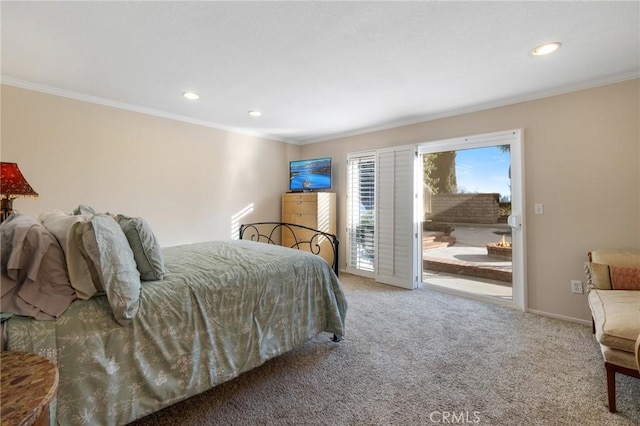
(464, 208)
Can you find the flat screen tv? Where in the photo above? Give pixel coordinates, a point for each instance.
(310, 175)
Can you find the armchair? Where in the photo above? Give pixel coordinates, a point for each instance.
(613, 278)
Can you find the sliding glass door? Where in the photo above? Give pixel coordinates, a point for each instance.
(472, 239)
(389, 194)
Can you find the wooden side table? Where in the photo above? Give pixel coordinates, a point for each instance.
(28, 382)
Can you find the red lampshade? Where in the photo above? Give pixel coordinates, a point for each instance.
(12, 183)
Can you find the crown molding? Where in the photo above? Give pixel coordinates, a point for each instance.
(619, 78)
(36, 87)
(340, 135)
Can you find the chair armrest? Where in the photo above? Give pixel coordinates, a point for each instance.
(638, 352)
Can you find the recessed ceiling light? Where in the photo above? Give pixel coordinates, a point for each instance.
(255, 113)
(191, 95)
(545, 49)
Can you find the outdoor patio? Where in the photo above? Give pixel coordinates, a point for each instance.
(461, 261)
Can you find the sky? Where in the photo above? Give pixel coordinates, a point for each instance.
(483, 170)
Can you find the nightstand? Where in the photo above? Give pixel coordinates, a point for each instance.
(28, 383)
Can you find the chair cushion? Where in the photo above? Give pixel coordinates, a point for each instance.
(616, 314)
(617, 357)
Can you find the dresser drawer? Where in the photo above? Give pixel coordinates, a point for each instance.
(300, 206)
(293, 197)
(310, 220)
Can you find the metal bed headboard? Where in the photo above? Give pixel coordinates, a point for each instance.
(270, 232)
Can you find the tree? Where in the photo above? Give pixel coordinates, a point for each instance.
(506, 149)
(428, 167)
(440, 172)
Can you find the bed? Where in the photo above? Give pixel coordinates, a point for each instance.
(221, 309)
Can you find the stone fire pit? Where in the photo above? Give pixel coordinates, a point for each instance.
(500, 250)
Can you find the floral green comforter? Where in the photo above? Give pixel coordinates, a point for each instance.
(223, 309)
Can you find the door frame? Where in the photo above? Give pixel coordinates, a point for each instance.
(513, 138)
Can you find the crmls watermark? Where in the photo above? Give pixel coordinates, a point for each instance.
(455, 417)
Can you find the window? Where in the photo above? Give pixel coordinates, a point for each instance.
(361, 211)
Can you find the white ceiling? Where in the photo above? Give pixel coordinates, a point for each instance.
(317, 70)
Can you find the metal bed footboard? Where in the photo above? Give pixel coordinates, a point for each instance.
(314, 242)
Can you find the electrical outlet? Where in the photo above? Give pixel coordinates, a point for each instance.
(576, 287)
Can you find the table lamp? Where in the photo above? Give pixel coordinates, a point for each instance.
(12, 186)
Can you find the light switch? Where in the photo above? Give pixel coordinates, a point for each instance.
(538, 208)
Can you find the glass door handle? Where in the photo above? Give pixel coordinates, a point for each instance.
(514, 221)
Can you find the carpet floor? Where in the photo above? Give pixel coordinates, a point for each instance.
(420, 358)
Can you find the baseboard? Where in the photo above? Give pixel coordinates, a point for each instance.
(560, 317)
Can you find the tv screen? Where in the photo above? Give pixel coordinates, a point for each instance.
(310, 175)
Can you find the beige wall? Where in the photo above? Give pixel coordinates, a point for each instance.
(582, 160)
(188, 181)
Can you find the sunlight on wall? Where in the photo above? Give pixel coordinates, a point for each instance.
(236, 218)
(323, 214)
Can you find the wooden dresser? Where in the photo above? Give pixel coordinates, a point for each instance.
(315, 210)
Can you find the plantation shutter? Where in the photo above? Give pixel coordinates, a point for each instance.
(361, 172)
(396, 226)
